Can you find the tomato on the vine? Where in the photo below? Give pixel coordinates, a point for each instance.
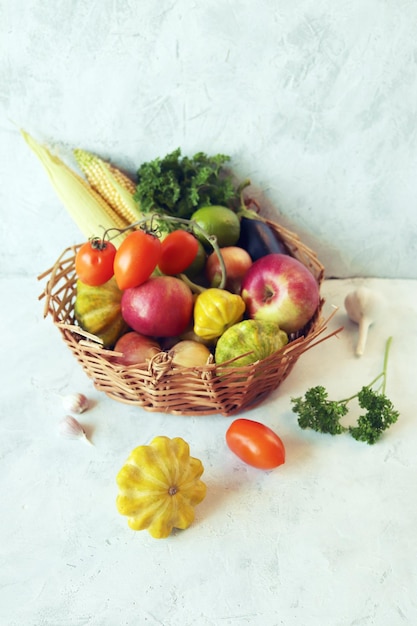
(178, 251)
(94, 262)
(255, 444)
(136, 258)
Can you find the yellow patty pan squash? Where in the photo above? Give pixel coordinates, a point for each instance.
(159, 486)
(97, 310)
(215, 310)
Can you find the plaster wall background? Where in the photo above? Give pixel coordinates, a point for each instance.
(315, 101)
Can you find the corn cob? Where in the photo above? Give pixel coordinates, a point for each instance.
(87, 160)
(88, 209)
(112, 184)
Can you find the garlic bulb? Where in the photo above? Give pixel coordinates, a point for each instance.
(364, 307)
(70, 428)
(75, 403)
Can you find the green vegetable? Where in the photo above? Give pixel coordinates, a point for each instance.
(177, 186)
(215, 310)
(253, 339)
(316, 411)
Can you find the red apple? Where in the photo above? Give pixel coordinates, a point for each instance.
(135, 348)
(160, 307)
(279, 288)
(237, 262)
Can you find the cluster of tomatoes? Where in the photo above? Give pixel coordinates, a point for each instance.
(139, 254)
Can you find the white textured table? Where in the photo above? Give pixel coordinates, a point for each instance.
(327, 539)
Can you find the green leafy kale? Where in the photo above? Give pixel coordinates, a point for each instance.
(317, 412)
(178, 185)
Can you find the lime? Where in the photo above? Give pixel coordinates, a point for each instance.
(217, 221)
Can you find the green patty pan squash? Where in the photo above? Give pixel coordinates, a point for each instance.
(159, 486)
(97, 311)
(256, 337)
(215, 310)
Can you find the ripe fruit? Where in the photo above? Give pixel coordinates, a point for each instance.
(178, 251)
(279, 288)
(94, 262)
(217, 221)
(255, 444)
(160, 307)
(136, 259)
(190, 353)
(135, 348)
(237, 262)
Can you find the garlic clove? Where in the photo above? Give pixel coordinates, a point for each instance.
(70, 428)
(75, 402)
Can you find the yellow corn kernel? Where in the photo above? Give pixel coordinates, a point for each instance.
(111, 183)
(122, 179)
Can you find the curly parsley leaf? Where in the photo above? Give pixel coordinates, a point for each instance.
(317, 412)
(178, 185)
(379, 416)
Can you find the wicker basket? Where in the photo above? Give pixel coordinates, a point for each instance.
(161, 386)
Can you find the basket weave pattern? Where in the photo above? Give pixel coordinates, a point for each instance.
(160, 385)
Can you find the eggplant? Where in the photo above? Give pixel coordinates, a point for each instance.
(258, 238)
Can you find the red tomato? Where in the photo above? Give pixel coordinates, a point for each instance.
(136, 259)
(94, 262)
(255, 444)
(179, 250)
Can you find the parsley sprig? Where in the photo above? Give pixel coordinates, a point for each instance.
(177, 185)
(317, 412)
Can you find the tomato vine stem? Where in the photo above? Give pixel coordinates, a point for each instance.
(192, 226)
